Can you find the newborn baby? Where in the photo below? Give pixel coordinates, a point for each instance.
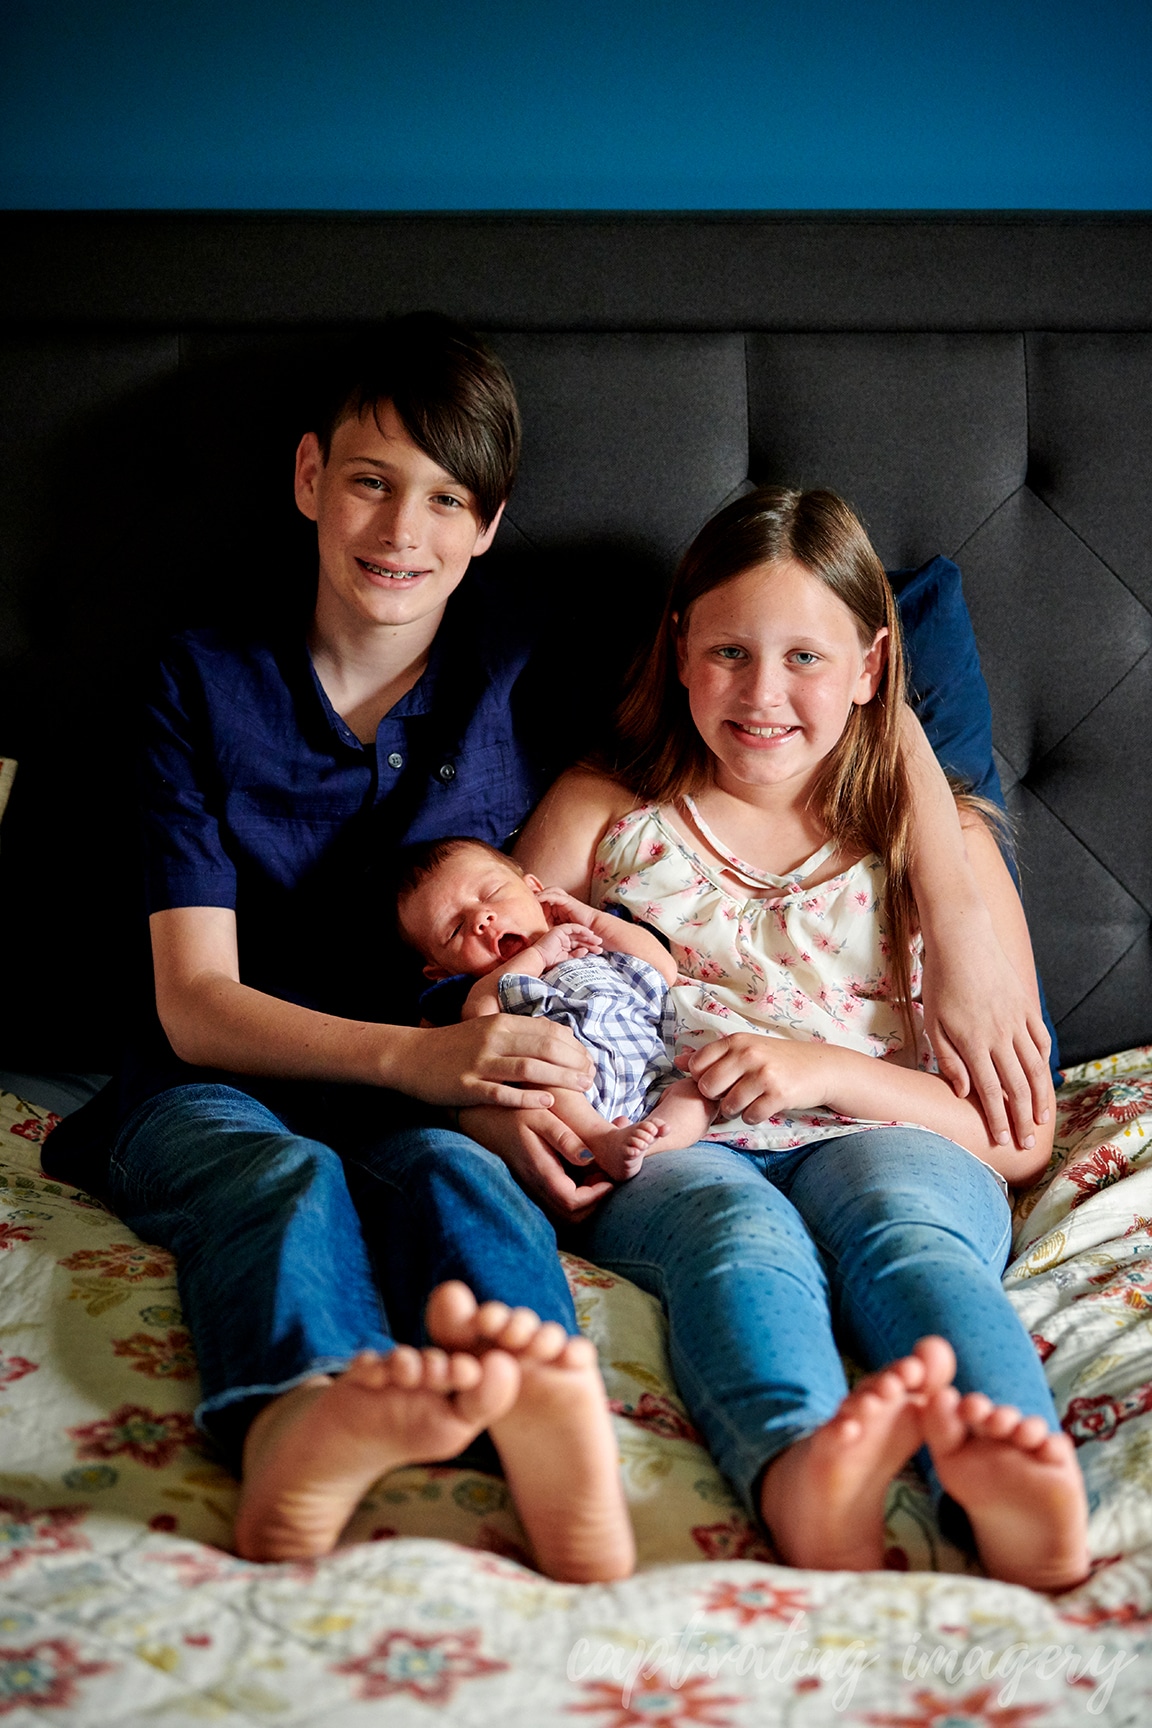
(472, 912)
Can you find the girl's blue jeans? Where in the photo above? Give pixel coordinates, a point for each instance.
(291, 1258)
(884, 1236)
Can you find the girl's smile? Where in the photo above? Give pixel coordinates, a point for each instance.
(773, 665)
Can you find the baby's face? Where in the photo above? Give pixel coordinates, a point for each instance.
(472, 914)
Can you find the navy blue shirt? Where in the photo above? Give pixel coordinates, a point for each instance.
(257, 796)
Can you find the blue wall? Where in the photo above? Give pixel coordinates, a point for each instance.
(626, 104)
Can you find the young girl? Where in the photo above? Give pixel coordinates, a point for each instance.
(760, 822)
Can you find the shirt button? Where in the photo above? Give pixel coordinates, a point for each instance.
(395, 760)
(447, 772)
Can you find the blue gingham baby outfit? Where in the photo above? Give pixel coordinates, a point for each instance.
(620, 1010)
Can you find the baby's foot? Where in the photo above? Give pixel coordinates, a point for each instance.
(556, 1442)
(823, 1499)
(312, 1454)
(621, 1149)
(1020, 1485)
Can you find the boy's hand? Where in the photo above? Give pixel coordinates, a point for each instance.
(532, 1144)
(756, 1075)
(565, 942)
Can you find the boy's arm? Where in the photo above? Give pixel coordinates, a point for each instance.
(214, 1021)
(982, 1016)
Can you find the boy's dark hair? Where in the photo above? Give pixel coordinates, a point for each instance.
(415, 864)
(454, 398)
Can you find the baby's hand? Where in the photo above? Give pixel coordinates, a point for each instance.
(566, 942)
(756, 1075)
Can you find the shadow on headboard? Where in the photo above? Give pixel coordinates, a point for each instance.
(977, 385)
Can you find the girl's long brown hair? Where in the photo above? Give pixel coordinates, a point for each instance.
(863, 797)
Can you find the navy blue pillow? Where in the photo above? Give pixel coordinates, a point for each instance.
(949, 692)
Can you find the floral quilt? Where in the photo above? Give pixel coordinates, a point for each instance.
(120, 1602)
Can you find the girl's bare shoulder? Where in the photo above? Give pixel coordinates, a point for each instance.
(561, 836)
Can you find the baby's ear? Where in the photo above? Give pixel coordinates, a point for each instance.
(436, 973)
(534, 883)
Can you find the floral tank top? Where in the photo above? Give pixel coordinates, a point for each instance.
(792, 962)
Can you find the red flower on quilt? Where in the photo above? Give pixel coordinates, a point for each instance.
(655, 1703)
(131, 1262)
(1122, 1100)
(43, 1675)
(36, 1128)
(10, 1234)
(24, 1533)
(1098, 1418)
(430, 1668)
(170, 1358)
(977, 1709)
(202, 1565)
(583, 1272)
(14, 1368)
(148, 1438)
(1120, 1614)
(1043, 1348)
(1099, 1170)
(735, 1539)
(659, 1415)
(756, 1601)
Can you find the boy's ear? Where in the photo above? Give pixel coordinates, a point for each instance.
(486, 535)
(436, 973)
(534, 883)
(309, 462)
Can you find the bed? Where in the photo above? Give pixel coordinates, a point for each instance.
(978, 386)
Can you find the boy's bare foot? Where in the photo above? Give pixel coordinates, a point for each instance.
(621, 1149)
(1020, 1485)
(313, 1453)
(556, 1443)
(823, 1499)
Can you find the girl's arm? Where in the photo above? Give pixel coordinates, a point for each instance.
(982, 1013)
(561, 836)
(755, 1076)
(213, 1020)
(617, 935)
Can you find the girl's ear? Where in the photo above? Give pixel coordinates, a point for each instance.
(875, 659)
(679, 646)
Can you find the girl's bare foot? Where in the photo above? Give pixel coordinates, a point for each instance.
(1020, 1485)
(823, 1499)
(312, 1454)
(621, 1149)
(556, 1442)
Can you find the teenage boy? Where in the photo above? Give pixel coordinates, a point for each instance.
(270, 1125)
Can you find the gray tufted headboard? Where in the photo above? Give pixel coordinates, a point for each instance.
(976, 385)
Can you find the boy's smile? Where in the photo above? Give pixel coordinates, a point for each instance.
(395, 531)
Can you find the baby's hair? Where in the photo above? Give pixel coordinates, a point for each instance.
(416, 864)
(863, 797)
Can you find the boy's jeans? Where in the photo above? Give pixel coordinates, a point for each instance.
(888, 1234)
(290, 1258)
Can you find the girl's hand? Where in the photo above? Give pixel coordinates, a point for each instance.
(756, 1075)
(988, 1035)
(560, 905)
(488, 1061)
